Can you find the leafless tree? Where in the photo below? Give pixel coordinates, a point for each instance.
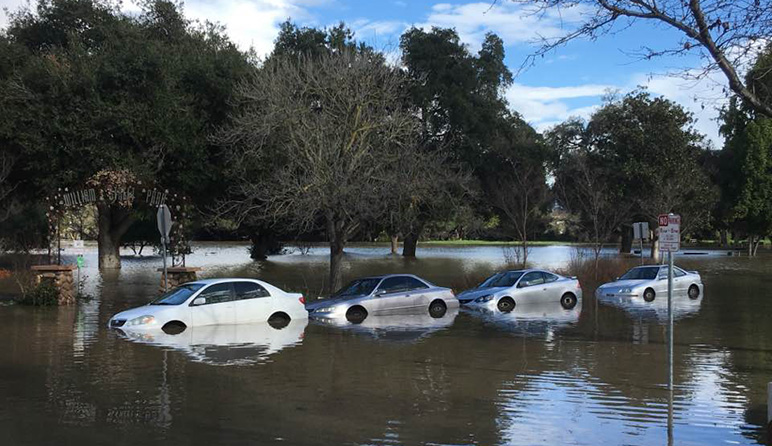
(519, 191)
(6, 188)
(426, 186)
(725, 33)
(587, 191)
(332, 127)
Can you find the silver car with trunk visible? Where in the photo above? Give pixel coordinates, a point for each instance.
(649, 282)
(505, 290)
(383, 296)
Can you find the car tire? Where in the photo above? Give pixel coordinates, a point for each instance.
(437, 309)
(694, 292)
(649, 295)
(356, 315)
(506, 304)
(174, 327)
(568, 301)
(279, 320)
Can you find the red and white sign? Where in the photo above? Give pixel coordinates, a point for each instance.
(669, 232)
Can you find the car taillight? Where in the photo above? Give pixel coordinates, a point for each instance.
(302, 300)
(578, 285)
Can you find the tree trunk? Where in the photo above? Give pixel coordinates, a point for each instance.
(409, 245)
(113, 222)
(724, 236)
(655, 250)
(336, 263)
(756, 245)
(394, 244)
(627, 240)
(524, 246)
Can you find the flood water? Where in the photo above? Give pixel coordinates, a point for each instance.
(541, 375)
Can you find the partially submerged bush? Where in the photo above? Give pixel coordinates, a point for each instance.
(43, 294)
(592, 273)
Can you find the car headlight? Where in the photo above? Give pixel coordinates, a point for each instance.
(325, 310)
(487, 298)
(625, 290)
(142, 320)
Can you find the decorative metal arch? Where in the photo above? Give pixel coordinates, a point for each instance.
(129, 194)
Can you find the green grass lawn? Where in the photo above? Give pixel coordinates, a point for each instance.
(496, 243)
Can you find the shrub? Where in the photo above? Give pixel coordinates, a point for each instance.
(43, 294)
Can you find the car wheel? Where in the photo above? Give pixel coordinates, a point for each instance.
(694, 292)
(437, 309)
(279, 320)
(649, 295)
(356, 315)
(568, 301)
(174, 327)
(506, 304)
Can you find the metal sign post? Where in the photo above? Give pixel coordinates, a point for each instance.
(670, 242)
(641, 232)
(164, 218)
(78, 248)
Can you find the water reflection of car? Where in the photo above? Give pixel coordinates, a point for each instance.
(683, 306)
(384, 296)
(395, 328)
(648, 282)
(214, 302)
(534, 317)
(226, 344)
(508, 289)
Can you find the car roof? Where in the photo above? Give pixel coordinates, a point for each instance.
(386, 276)
(222, 279)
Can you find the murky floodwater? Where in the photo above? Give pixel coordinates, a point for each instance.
(542, 375)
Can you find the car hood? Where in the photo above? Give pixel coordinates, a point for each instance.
(128, 315)
(321, 303)
(477, 292)
(625, 283)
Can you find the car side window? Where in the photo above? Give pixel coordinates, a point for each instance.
(678, 272)
(415, 284)
(217, 294)
(531, 279)
(249, 290)
(393, 285)
(549, 277)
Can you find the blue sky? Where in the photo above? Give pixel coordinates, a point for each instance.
(568, 82)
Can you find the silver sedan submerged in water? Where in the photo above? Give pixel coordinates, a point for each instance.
(505, 290)
(384, 296)
(649, 281)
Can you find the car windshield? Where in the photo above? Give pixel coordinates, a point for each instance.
(178, 295)
(506, 279)
(360, 287)
(644, 273)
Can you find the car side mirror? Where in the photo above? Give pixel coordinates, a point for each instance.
(379, 293)
(199, 301)
(522, 284)
(616, 278)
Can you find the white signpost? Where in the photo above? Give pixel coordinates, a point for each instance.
(641, 233)
(164, 218)
(669, 241)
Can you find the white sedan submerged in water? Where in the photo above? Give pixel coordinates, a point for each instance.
(648, 282)
(507, 289)
(214, 302)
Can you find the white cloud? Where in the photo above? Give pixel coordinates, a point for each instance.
(512, 22)
(545, 107)
(249, 23)
(9, 6)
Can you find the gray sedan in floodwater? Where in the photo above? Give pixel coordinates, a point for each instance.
(649, 281)
(505, 290)
(383, 296)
